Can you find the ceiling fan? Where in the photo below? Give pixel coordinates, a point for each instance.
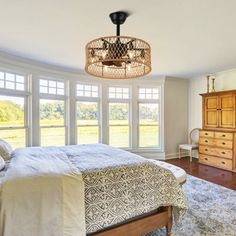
(111, 53)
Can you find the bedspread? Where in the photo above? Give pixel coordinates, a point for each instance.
(117, 185)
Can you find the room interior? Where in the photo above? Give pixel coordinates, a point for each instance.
(117, 118)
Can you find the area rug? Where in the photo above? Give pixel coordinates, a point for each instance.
(212, 211)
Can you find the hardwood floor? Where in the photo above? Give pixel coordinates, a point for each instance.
(214, 175)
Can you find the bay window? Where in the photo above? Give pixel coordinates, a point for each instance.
(39, 110)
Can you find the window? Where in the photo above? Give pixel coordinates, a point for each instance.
(87, 113)
(148, 93)
(87, 122)
(12, 81)
(52, 122)
(12, 120)
(119, 128)
(45, 114)
(51, 87)
(13, 104)
(52, 112)
(117, 92)
(86, 90)
(149, 116)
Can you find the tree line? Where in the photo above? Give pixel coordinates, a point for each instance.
(10, 111)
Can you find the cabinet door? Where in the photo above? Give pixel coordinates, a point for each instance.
(227, 111)
(210, 112)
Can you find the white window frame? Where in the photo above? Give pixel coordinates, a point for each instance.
(64, 98)
(89, 99)
(120, 100)
(23, 94)
(150, 101)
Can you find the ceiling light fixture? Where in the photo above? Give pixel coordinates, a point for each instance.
(118, 57)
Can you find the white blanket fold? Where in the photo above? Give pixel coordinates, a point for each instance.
(42, 195)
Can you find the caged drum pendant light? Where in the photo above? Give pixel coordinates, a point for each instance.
(118, 57)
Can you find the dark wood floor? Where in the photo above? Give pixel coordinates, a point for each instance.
(214, 175)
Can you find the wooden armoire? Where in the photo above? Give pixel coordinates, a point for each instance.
(217, 143)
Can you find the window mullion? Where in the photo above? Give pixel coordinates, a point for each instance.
(13, 127)
(134, 118)
(35, 112)
(52, 126)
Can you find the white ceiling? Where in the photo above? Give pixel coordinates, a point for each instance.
(187, 37)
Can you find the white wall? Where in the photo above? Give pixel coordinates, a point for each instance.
(225, 80)
(176, 114)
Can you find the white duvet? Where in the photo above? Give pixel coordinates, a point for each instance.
(42, 195)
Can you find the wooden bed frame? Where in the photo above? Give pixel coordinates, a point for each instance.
(142, 225)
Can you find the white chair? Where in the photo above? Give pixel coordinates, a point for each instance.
(193, 143)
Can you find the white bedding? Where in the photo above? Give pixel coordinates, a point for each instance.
(36, 196)
(74, 190)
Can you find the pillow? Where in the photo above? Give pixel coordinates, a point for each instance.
(5, 149)
(2, 163)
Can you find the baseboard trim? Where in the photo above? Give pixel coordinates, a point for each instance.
(152, 155)
(161, 155)
(176, 155)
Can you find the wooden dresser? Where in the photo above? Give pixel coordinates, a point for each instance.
(217, 144)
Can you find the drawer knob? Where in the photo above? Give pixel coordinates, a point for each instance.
(206, 133)
(206, 149)
(223, 162)
(206, 141)
(223, 143)
(223, 152)
(223, 135)
(206, 158)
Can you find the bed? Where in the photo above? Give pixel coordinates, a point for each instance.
(86, 190)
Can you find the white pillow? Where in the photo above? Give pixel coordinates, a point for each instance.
(2, 163)
(5, 149)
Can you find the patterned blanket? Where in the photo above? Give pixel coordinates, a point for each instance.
(118, 185)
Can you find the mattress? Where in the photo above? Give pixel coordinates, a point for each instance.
(118, 185)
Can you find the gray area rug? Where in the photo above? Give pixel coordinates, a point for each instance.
(212, 211)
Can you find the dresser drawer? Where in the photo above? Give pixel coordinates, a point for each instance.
(206, 150)
(225, 153)
(223, 143)
(222, 135)
(216, 161)
(206, 134)
(206, 141)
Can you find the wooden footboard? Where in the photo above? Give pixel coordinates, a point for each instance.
(142, 225)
